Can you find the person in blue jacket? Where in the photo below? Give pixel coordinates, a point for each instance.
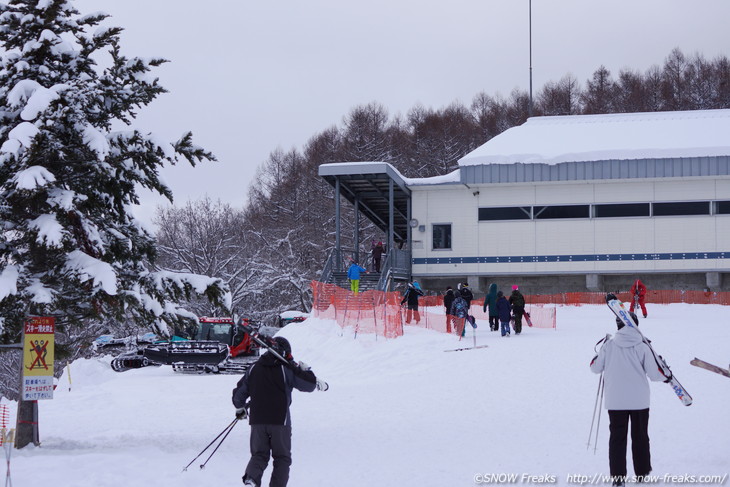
(353, 274)
(504, 309)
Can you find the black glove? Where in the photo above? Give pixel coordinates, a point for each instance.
(322, 385)
(241, 413)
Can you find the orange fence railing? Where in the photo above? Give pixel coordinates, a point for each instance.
(381, 313)
(666, 296)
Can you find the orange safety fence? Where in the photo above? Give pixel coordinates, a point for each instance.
(666, 296)
(381, 313)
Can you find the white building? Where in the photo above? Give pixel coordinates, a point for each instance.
(580, 202)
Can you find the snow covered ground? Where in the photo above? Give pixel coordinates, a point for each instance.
(399, 412)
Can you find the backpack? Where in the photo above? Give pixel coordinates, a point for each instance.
(459, 307)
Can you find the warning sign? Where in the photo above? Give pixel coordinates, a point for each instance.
(38, 358)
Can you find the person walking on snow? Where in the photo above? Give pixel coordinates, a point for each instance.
(490, 302)
(460, 311)
(448, 301)
(517, 300)
(466, 293)
(626, 362)
(411, 297)
(353, 274)
(504, 310)
(638, 294)
(268, 383)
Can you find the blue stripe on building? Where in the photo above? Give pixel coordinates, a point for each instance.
(519, 259)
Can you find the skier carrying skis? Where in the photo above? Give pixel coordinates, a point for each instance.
(411, 296)
(269, 383)
(638, 296)
(490, 301)
(626, 362)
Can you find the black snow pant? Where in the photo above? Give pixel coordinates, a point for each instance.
(493, 323)
(274, 440)
(619, 427)
(518, 319)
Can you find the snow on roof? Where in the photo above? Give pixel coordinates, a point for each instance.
(552, 140)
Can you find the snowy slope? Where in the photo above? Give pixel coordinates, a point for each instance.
(399, 412)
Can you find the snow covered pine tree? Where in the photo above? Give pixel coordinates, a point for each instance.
(69, 247)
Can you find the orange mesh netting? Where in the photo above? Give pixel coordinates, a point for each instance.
(381, 313)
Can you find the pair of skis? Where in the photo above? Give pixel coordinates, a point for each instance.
(622, 313)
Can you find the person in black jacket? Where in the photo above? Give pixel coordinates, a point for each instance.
(411, 297)
(269, 383)
(466, 293)
(448, 301)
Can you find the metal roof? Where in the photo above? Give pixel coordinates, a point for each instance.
(369, 183)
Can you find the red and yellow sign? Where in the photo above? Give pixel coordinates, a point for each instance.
(38, 358)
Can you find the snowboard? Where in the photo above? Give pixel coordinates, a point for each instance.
(708, 366)
(528, 320)
(622, 313)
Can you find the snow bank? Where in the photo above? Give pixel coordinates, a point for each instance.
(399, 412)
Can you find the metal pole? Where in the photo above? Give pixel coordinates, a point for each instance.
(338, 251)
(391, 225)
(357, 231)
(410, 238)
(530, 108)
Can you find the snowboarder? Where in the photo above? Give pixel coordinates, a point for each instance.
(353, 274)
(638, 296)
(411, 297)
(377, 252)
(269, 384)
(517, 300)
(448, 301)
(504, 310)
(626, 362)
(490, 306)
(460, 311)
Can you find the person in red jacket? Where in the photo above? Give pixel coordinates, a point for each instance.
(638, 295)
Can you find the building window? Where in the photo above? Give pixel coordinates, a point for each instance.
(621, 210)
(505, 213)
(682, 208)
(562, 211)
(441, 236)
(722, 207)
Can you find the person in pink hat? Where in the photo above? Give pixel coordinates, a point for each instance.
(517, 300)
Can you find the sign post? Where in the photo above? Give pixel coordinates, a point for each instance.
(36, 378)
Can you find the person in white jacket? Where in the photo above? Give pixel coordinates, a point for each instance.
(626, 362)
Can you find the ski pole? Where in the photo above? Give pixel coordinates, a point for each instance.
(595, 408)
(598, 424)
(219, 444)
(226, 430)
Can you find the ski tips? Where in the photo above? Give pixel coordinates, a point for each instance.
(610, 297)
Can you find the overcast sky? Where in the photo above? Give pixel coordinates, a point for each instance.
(248, 77)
